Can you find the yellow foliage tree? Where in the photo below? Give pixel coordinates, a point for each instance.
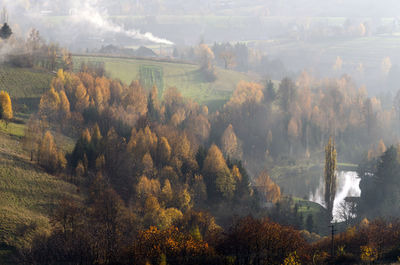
(64, 106)
(82, 98)
(6, 112)
(236, 174)
(219, 178)
(167, 193)
(148, 165)
(145, 141)
(49, 157)
(136, 100)
(292, 259)
(49, 103)
(168, 217)
(183, 149)
(163, 151)
(246, 92)
(147, 187)
(268, 188)
(230, 143)
(200, 127)
(368, 253)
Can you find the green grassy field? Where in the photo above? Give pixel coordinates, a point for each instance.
(27, 194)
(25, 85)
(185, 77)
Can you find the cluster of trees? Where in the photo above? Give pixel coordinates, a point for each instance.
(297, 118)
(159, 161)
(34, 51)
(146, 147)
(237, 57)
(157, 155)
(367, 242)
(380, 183)
(105, 232)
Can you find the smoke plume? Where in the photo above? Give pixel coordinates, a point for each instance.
(88, 12)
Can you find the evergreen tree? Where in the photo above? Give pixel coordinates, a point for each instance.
(269, 94)
(5, 31)
(310, 223)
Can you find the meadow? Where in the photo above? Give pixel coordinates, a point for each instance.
(186, 77)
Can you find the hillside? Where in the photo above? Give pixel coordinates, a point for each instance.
(185, 77)
(27, 193)
(25, 85)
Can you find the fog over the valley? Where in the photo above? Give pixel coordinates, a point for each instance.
(199, 132)
(326, 38)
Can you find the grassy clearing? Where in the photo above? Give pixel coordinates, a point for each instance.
(27, 194)
(317, 212)
(185, 77)
(12, 129)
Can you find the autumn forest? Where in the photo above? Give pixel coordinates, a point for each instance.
(144, 146)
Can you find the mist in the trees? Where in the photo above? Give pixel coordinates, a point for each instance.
(348, 185)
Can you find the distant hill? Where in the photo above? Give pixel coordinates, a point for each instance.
(140, 52)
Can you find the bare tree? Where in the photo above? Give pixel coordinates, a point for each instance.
(347, 211)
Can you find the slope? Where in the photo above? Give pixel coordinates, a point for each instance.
(27, 194)
(25, 85)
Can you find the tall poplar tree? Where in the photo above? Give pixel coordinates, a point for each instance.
(330, 176)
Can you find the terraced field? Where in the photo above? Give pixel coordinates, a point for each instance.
(25, 85)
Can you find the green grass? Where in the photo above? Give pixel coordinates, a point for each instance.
(25, 85)
(185, 77)
(27, 194)
(12, 129)
(317, 211)
(308, 207)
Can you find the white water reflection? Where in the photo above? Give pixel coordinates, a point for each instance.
(348, 185)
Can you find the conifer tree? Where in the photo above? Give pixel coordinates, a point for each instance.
(5, 31)
(218, 177)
